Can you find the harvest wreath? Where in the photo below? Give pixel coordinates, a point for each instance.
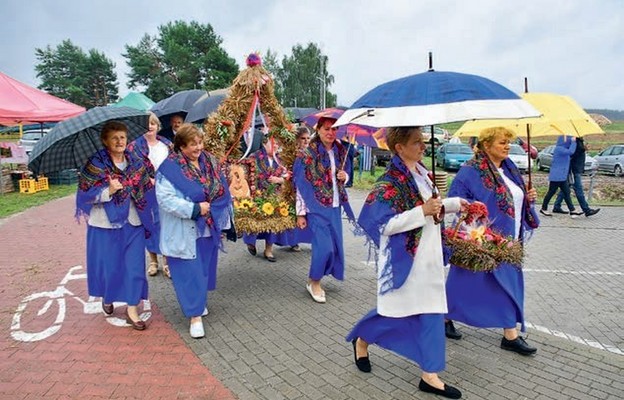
(476, 247)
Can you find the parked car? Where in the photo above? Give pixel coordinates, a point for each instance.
(440, 135)
(611, 159)
(544, 159)
(30, 138)
(453, 156)
(381, 156)
(519, 157)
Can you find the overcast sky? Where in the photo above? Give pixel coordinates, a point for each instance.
(571, 47)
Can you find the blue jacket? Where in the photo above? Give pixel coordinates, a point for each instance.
(560, 166)
(178, 232)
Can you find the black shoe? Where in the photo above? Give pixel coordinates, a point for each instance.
(449, 392)
(575, 213)
(518, 345)
(251, 249)
(559, 211)
(591, 211)
(545, 212)
(363, 363)
(108, 308)
(450, 331)
(270, 258)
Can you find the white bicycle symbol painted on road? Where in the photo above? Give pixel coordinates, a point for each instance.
(57, 298)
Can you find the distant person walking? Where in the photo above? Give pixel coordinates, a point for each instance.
(558, 176)
(577, 167)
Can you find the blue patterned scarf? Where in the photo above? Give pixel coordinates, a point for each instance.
(312, 177)
(139, 148)
(394, 192)
(137, 187)
(206, 184)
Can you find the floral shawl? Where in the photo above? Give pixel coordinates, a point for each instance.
(312, 177)
(394, 192)
(480, 180)
(264, 170)
(206, 184)
(140, 149)
(137, 187)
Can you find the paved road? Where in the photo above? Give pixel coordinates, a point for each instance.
(266, 339)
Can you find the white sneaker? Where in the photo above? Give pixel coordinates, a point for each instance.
(197, 330)
(205, 312)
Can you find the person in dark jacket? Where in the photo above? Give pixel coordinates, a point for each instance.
(558, 176)
(577, 167)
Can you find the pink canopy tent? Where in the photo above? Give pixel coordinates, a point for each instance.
(22, 104)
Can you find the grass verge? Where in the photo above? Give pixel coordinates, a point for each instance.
(15, 202)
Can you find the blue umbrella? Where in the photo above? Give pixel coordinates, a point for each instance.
(434, 97)
(204, 106)
(71, 142)
(178, 103)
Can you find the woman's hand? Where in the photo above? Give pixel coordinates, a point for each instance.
(432, 206)
(341, 176)
(276, 179)
(113, 186)
(463, 204)
(531, 195)
(204, 208)
(302, 222)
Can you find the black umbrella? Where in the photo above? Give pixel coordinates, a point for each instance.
(204, 106)
(177, 103)
(71, 142)
(296, 114)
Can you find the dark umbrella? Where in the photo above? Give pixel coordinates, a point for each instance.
(204, 106)
(296, 114)
(71, 142)
(177, 103)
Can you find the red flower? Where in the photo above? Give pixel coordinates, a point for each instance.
(390, 193)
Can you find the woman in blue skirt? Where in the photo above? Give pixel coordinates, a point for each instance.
(195, 206)
(319, 176)
(116, 195)
(398, 218)
(152, 149)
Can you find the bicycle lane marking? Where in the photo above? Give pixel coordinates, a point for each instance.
(87, 356)
(59, 295)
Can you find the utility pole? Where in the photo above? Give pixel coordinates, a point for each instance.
(321, 78)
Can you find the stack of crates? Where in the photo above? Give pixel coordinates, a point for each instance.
(31, 186)
(65, 177)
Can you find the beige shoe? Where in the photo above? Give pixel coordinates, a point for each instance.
(166, 271)
(152, 269)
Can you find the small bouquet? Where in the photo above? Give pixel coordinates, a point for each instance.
(264, 212)
(476, 247)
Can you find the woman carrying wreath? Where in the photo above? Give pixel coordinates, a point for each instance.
(493, 299)
(397, 217)
(195, 206)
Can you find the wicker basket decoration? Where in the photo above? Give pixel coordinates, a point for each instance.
(476, 247)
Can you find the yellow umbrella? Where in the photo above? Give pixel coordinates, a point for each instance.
(560, 115)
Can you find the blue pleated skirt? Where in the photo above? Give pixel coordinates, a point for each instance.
(486, 299)
(419, 338)
(116, 264)
(327, 246)
(192, 279)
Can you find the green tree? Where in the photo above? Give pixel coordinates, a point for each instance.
(69, 73)
(304, 78)
(181, 56)
(271, 64)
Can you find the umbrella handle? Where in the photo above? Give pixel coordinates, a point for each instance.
(435, 193)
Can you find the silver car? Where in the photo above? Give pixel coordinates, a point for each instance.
(611, 159)
(30, 138)
(519, 157)
(544, 159)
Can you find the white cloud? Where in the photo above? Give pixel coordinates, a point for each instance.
(570, 47)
